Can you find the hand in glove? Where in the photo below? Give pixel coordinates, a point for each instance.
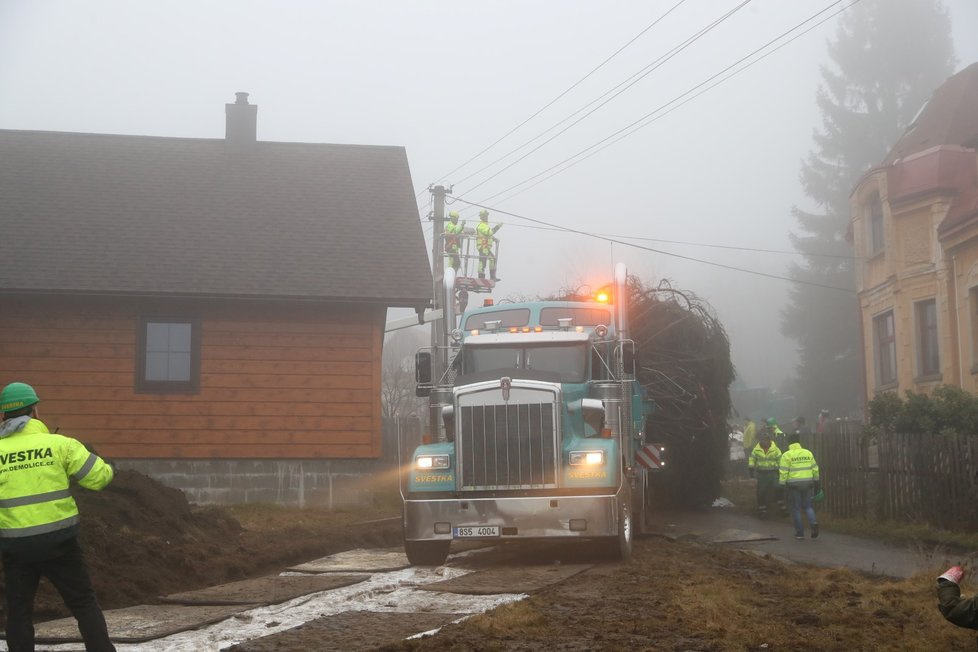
(953, 574)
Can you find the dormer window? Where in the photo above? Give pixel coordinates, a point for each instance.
(874, 213)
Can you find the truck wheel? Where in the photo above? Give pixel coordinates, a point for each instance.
(427, 553)
(620, 547)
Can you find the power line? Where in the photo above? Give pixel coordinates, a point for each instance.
(628, 83)
(645, 120)
(658, 251)
(614, 236)
(565, 92)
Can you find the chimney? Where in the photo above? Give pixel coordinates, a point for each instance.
(241, 125)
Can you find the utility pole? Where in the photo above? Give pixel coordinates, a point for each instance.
(439, 341)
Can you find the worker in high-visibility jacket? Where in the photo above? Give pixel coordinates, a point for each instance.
(483, 242)
(777, 435)
(453, 229)
(764, 464)
(39, 519)
(799, 476)
(750, 436)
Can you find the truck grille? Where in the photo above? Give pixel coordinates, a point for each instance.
(508, 446)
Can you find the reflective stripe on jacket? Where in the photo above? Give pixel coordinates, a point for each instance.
(798, 466)
(35, 471)
(765, 460)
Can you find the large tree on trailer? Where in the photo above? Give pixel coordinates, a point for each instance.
(683, 360)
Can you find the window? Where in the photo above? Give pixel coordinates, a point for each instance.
(508, 318)
(885, 347)
(168, 355)
(875, 211)
(568, 361)
(581, 316)
(928, 355)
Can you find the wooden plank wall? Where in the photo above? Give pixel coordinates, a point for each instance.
(919, 479)
(277, 380)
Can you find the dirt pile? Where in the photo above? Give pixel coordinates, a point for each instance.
(143, 539)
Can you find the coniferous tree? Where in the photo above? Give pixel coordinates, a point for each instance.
(887, 58)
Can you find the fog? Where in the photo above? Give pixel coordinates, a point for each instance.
(447, 79)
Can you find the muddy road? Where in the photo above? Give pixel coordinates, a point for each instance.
(144, 541)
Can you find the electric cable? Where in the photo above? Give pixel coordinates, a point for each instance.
(659, 251)
(690, 244)
(637, 124)
(565, 92)
(628, 83)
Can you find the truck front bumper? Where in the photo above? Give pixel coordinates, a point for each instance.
(537, 517)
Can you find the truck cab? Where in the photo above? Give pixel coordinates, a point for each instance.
(540, 422)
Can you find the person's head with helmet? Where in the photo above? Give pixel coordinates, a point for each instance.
(18, 404)
(764, 438)
(453, 216)
(484, 215)
(771, 421)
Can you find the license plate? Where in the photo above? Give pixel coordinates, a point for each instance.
(475, 531)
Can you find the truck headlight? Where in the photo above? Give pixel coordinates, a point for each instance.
(429, 462)
(586, 458)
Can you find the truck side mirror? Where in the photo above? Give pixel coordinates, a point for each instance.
(422, 373)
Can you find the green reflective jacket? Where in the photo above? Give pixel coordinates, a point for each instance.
(765, 460)
(798, 466)
(36, 468)
(485, 233)
(452, 231)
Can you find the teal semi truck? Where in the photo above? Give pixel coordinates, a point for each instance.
(538, 430)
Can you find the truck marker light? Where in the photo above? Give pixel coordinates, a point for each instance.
(526, 329)
(538, 329)
(514, 329)
(474, 331)
(602, 297)
(579, 329)
(606, 433)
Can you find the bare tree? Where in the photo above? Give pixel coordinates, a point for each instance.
(397, 396)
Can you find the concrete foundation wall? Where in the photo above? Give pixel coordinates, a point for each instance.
(329, 484)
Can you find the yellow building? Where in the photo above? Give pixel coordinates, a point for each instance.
(915, 231)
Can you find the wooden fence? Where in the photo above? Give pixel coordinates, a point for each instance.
(927, 479)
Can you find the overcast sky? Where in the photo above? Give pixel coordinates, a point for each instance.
(445, 79)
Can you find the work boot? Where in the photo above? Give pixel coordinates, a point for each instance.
(762, 514)
(799, 537)
(814, 530)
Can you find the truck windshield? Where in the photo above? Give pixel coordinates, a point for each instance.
(566, 360)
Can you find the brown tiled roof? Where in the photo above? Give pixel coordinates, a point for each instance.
(95, 213)
(950, 117)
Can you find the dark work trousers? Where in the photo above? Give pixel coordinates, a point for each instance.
(64, 567)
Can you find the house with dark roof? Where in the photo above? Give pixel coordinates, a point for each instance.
(915, 232)
(209, 311)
